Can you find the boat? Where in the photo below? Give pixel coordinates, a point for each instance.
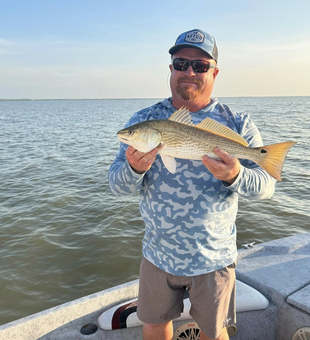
(275, 272)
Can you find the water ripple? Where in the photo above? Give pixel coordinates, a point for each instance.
(64, 235)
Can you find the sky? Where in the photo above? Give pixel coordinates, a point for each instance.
(56, 49)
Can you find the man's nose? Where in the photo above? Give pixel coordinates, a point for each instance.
(190, 71)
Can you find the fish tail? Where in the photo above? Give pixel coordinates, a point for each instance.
(273, 157)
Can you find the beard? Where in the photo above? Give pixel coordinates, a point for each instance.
(186, 91)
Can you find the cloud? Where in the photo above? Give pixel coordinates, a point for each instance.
(264, 56)
(64, 82)
(7, 47)
(284, 47)
(7, 52)
(55, 68)
(5, 42)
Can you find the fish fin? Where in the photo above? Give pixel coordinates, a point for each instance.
(182, 116)
(169, 163)
(274, 157)
(217, 128)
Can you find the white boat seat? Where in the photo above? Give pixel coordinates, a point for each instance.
(124, 315)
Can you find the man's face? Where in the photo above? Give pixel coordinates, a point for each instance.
(190, 85)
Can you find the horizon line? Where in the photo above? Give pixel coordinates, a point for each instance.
(135, 98)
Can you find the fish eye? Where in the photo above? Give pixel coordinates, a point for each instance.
(130, 132)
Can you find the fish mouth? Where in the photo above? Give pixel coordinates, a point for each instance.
(122, 138)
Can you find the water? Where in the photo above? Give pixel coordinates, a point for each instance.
(63, 234)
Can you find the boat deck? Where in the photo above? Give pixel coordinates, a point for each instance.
(279, 269)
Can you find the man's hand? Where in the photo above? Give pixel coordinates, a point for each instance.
(139, 161)
(226, 169)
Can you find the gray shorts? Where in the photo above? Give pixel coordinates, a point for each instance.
(212, 297)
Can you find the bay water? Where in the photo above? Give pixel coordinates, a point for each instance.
(64, 235)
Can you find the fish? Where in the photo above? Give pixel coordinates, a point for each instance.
(178, 137)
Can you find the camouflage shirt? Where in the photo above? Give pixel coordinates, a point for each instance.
(190, 215)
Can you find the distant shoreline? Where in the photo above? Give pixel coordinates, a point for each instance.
(55, 99)
(36, 100)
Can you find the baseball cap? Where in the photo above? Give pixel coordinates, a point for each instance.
(196, 38)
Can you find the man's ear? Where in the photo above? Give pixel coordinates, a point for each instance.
(215, 73)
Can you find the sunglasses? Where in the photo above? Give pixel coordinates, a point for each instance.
(199, 66)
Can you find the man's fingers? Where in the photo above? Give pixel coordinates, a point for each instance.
(130, 151)
(134, 154)
(212, 163)
(140, 161)
(138, 154)
(225, 169)
(226, 157)
(145, 157)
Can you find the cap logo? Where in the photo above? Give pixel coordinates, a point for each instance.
(195, 37)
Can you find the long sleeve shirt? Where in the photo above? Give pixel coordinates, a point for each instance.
(190, 215)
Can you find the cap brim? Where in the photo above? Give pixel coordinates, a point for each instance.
(174, 49)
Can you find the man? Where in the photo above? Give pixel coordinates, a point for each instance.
(190, 238)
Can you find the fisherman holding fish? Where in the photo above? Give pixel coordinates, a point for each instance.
(183, 159)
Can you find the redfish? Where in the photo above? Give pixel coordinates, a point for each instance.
(178, 137)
